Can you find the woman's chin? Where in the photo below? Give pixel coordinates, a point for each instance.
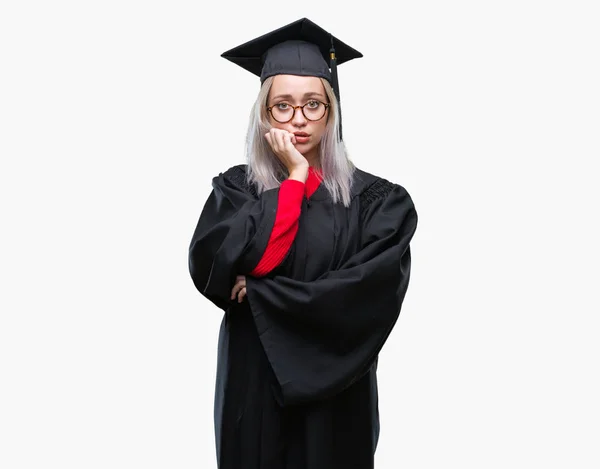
(303, 147)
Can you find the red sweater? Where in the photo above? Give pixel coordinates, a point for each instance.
(291, 193)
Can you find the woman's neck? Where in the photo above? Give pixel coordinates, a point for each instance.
(313, 158)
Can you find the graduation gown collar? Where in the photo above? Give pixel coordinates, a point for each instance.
(313, 181)
(361, 181)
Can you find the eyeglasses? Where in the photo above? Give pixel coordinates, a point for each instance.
(313, 111)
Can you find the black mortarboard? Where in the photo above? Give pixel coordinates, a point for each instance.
(300, 48)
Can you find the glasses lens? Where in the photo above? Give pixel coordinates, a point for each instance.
(314, 110)
(282, 112)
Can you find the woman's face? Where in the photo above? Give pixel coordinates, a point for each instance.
(294, 90)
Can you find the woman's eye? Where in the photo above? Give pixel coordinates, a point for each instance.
(282, 106)
(313, 104)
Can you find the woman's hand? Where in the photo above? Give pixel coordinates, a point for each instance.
(282, 142)
(239, 288)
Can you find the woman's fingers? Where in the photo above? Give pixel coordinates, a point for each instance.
(235, 290)
(278, 139)
(271, 137)
(283, 143)
(269, 140)
(281, 137)
(240, 284)
(241, 294)
(289, 141)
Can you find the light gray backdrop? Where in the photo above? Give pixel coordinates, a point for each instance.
(114, 117)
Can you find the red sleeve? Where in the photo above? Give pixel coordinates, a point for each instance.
(291, 193)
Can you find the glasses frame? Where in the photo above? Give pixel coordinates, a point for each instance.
(294, 108)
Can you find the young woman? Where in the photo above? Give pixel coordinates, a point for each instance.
(309, 258)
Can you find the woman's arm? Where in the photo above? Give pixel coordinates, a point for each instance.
(231, 234)
(323, 335)
(291, 193)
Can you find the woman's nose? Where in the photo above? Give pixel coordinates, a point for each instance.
(299, 117)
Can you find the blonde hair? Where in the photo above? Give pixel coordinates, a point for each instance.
(267, 171)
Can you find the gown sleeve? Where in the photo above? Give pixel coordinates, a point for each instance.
(321, 336)
(291, 193)
(231, 235)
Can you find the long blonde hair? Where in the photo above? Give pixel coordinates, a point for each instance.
(267, 171)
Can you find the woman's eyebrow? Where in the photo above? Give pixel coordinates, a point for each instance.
(306, 95)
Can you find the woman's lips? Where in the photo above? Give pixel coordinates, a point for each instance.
(301, 137)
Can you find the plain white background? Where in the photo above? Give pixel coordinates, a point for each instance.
(114, 117)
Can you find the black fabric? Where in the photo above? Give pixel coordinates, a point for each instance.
(295, 58)
(296, 380)
(299, 48)
(231, 235)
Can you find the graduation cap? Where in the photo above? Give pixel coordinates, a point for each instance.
(299, 48)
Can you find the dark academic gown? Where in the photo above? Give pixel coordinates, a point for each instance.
(296, 375)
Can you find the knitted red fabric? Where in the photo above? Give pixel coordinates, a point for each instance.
(291, 193)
